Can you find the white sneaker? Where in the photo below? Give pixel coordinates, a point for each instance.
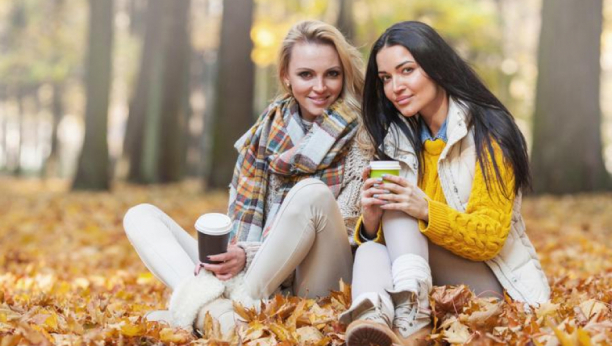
(412, 312)
(369, 325)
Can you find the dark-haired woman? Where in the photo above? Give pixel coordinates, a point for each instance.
(453, 215)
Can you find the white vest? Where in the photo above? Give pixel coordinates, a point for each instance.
(517, 266)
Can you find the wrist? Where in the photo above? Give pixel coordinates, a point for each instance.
(369, 229)
(425, 211)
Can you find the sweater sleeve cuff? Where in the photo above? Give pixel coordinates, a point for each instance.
(360, 236)
(438, 225)
(250, 250)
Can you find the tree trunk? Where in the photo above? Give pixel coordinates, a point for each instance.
(51, 164)
(176, 87)
(567, 149)
(234, 105)
(345, 19)
(134, 134)
(21, 118)
(154, 139)
(93, 169)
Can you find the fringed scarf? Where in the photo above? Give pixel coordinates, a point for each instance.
(278, 144)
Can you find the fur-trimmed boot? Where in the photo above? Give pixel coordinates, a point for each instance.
(369, 319)
(236, 290)
(220, 309)
(191, 295)
(412, 283)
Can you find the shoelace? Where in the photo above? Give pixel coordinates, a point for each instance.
(375, 314)
(408, 312)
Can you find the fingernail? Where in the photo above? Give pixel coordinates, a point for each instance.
(386, 191)
(375, 196)
(376, 185)
(380, 179)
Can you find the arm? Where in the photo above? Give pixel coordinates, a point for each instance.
(479, 233)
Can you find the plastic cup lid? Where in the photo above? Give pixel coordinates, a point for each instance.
(214, 224)
(385, 165)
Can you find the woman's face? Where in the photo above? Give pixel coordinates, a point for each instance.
(406, 84)
(315, 77)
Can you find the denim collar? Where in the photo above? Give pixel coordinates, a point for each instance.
(426, 135)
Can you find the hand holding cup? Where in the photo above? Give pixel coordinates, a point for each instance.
(371, 204)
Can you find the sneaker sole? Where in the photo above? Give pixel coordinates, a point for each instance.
(368, 334)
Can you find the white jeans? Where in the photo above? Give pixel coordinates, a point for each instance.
(308, 236)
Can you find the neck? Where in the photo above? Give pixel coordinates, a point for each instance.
(434, 114)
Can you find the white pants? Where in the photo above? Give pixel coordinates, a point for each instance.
(372, 268)
(308, 237)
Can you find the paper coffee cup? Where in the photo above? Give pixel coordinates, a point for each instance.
(213, 235)
(379, 168)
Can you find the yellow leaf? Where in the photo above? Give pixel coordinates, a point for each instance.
(130, 329)
(592, 307)
(546, 308)
(584, 339)
(280, 331)
(562, 336)
(308, 334)
(457, 333)
(173, 335)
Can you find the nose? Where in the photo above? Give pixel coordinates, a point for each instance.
(397, 85)
(320, 85)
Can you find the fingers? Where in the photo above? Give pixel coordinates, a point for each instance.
(366, 173)
(394, 206)
(223, 271)
(374, 191)
(369, 183)
(397, 180)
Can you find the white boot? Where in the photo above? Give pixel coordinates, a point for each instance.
(220, 309)
(369, 321)
(236, 290)
(411, 286)
(191, 295)
(159, 316)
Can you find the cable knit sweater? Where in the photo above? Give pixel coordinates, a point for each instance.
(479, 233)
(348, 200)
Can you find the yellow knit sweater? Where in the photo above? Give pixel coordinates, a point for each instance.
(479, 233)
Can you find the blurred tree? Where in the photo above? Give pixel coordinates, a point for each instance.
(175, 107)
(93, 168)
(154, 139)
(134, 135)
(567, 147)
(235, 85)
(345, 19)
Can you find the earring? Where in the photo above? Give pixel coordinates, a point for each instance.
(288, 85)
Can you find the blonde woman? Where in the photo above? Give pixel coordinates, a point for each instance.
(294, 196)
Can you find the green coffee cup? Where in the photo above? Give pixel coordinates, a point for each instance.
(380, 168)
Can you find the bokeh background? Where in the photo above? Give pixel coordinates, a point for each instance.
(156, 91)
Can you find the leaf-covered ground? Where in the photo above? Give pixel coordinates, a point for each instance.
(69, 276)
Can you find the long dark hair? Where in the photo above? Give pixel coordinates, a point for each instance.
(487, 115)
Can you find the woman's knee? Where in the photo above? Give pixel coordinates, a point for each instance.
(310, 191)
(136, 214)
(371, 249)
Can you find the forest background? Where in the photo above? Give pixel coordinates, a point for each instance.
(142, 100)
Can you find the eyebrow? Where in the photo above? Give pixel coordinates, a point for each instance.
(309, 69)
(398, 65)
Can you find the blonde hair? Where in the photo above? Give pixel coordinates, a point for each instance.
(314, 31)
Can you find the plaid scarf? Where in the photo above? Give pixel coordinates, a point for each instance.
(278, 144)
